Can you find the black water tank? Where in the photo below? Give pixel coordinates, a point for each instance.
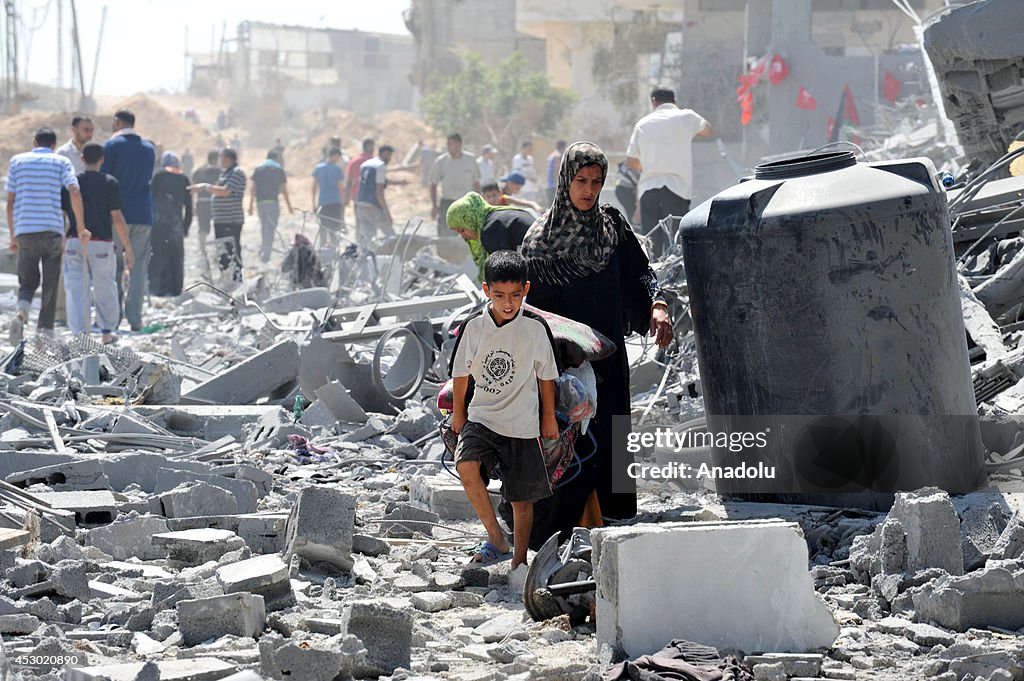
(828, 324)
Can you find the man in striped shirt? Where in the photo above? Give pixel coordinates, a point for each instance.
(228, 214)
(34, 217)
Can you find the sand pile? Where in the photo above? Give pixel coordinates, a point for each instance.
(164, 127)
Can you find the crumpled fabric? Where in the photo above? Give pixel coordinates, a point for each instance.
(306, 452)
(680, 661)
(587, 379)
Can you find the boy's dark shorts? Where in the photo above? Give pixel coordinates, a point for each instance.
(519, 463)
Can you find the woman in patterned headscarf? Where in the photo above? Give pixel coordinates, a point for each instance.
(487, 228)
(586, 264)
(172, 214)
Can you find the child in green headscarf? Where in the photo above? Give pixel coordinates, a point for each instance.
(487, 228)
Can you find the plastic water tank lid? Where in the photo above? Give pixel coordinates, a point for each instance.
(805, 165)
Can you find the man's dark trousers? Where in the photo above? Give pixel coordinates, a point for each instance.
(655, 205)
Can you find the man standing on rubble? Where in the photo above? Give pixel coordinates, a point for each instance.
(207, 174)
(268, 182)
(131, 159)
(329, 194)
(82, 129)
(373, 217)
(36, 224)
(458, 174)
(352, 175)
(661, 150)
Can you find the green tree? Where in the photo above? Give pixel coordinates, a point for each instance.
(500, 104)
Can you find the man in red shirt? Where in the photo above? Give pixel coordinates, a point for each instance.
(352, 174)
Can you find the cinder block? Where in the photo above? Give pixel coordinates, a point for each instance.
(210, 618)
(385, 631)
(263, 575)
(320, 526)
(195, 547)
(748, 581)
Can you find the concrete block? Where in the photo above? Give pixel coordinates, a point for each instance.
(386, 633)
(210, 618)
(920, 633)
(12, 539)
(191, 499)
(369, 545)
(263, 575)
(445, 496)
(421, 522)
(263, 532)
(431, 601)
(244, 491)
(61, 548)
(1010, 543)
(320, 526)
(932, 530)
(18, 624)
(316, 660)
(991, 596)
(81, 474)
(980, 528)
(501, 627)
(89, 507)
(318, 415)
(103, 590)
(129, 538)
(142, 469)
(191, 669)
(195, 547)
(748, 580)
(273, 369)
(336, 398)
(791, 664)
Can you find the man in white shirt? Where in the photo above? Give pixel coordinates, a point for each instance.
(82, 129)
(523, 163)
(457, 174)
(486, 164)
(661, 150)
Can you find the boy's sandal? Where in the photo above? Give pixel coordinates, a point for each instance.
(489, 555)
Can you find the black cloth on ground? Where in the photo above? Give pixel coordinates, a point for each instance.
(680, 661)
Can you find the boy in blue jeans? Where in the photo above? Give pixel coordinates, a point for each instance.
(509, 353)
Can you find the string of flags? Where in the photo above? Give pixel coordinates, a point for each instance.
(778, 70)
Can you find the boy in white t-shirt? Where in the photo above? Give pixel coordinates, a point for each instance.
(509, 353)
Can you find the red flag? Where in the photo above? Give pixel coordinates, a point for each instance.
(891, 87)
(850, 114)
(778, 71)
(746, 108)
(804, 100)
(828, 128)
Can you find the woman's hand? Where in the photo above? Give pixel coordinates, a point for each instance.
(661, 324)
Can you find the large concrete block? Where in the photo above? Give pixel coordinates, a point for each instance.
(445, 496)
(142, 469)
(263, 575)
(271, 370)
(732, 585)
(195, 547)
(320, 526)
(89, 507)
(196, 499)
(262, 532)
(244, 491)
(385, 631)
(209, 618)
(932, 530)
(1010, 543)
(315, 660)
(132, 537)
(992, 596)
(83, 474)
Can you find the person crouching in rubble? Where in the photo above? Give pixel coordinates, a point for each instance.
(509, 353)
(486, 228)
(585, 263)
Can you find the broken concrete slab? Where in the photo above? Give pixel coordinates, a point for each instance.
(263, 575)
(240, 614)
(191, 499)
(192, 669)
(213, 421)
(1010, 543)
(195, 547)
(263, 532)
(446, 497)
(991, 596)
(406, 521)
(10, 539)
(244, 491)
(431, 601)
(791, 664)
(749, 580)
(129, 537)
(316, 660)
(932, 530)
(266, 373)
(918, 632)
(321, 525)
(980, 528)
(336, 398)
(386, 633)
(89, 507)
(72, 474)
(19, 623)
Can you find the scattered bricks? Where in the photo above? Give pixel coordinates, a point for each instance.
(89, 507)
(210, 618)
(764, 557)
(421, 522)
(318, 660)
(369, 545)
(431, 601)
(320, 526)
(265, 373)
(992, 596)
(129, 538)
(196, 499)
(922, 634)
(192, 669)
(385, 631)
(195, 547)
(1010, 543)
(263, 575)
(791, 664)
(932, 530)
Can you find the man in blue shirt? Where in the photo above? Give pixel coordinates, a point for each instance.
(131, 159)
(36, 223)
(371, 205)
(330, 186)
